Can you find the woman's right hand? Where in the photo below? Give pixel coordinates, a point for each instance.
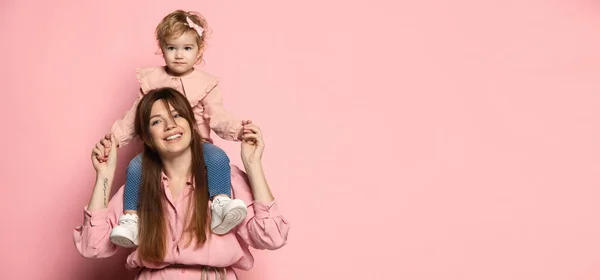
(105, 167)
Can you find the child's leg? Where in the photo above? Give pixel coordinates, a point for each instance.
(226, 213)
(219, 170)
(133, 180)
(125, 233)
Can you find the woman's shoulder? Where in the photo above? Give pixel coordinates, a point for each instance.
(238, 175)
(236, 171)
(240, 186)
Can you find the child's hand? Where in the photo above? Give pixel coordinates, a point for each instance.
(107, 165)
(105, 145)
(252, 144)
(241, 133)
(108, 137)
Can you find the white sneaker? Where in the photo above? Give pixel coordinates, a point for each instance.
(226, 214)
(125, 233)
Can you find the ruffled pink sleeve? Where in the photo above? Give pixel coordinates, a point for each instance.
(264, 227)
(222, 122)
(92, 237)
(124, 129)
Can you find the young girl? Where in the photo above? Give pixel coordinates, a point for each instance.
(181, 39)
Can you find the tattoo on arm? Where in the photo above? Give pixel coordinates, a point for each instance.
(104, 188)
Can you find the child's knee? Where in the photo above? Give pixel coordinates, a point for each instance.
(135, 165)
(216, 157)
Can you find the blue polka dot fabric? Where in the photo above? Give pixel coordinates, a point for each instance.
(133, 181)
(219, 170)
(217, 165)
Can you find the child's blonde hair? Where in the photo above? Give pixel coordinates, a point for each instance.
(175, 24)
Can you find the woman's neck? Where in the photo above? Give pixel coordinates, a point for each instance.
(179, 166)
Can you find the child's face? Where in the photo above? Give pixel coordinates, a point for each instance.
(181, 53)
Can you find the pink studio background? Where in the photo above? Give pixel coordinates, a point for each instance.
(412, 140)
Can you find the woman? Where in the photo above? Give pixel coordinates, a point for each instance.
(174, 240)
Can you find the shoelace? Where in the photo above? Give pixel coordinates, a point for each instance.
(126, 221)
(219, 202)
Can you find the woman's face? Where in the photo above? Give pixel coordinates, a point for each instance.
(170, 132)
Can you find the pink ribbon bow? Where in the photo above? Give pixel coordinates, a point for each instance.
(196, 27)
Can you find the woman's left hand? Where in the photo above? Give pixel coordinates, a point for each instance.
(252, 144)
(244, 123)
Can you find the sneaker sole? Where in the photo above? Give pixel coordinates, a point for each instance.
(233, 218)
(122, 241)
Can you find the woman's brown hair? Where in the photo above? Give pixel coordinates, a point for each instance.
(152, 199)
